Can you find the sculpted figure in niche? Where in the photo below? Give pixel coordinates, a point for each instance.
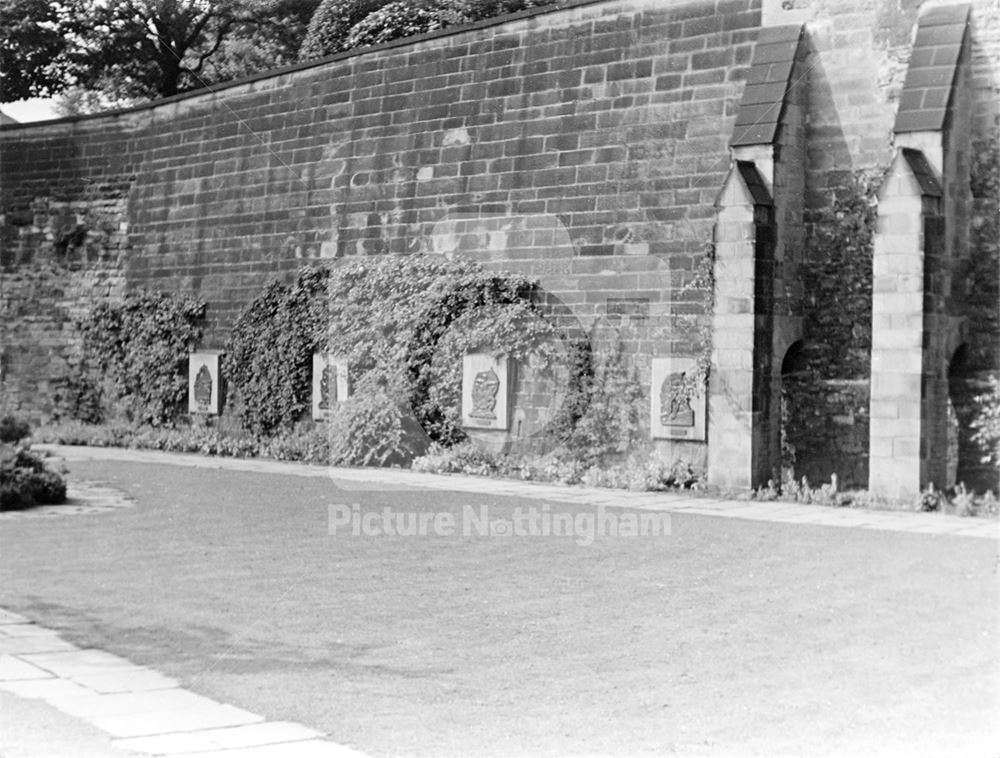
(328, 387)
(203, 387)
(675, 407)
(484, 394)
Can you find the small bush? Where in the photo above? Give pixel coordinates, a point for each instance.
(13, 429)
(25, 481)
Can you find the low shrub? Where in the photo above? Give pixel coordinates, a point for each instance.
(958, 502)
(25, 481)
(308, 445)
(635, 473)
(13, 429)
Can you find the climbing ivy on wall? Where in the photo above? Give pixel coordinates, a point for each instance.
(139, 347)
(268, 359)
(403, 324)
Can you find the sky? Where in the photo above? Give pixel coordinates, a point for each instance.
(37, 109)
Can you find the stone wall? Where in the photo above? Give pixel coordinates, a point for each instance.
(583, 145)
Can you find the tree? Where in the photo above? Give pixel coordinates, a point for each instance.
(331, 23)
(30, 45)
(339, 25)
(143, 49)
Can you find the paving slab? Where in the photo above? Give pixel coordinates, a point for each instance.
(46, 689)
(144, 710)
(34, 729)
(121, 704)
(14, 669)
(22, 645)
(180, 743)
(138, 679)
(75, 661)
(10, 618)
(147, 723)
(310, 749)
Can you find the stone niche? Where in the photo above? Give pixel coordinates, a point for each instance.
(204, 395)
(329, 384)
(486, 385)
(672, 417)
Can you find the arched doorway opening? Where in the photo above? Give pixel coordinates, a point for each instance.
(795, 376)
(964, 464)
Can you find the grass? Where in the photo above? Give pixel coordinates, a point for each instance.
(726, 638)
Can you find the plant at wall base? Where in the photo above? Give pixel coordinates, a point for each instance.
(608, 401)
(373, 428)
(270, 348)
(78, 396)
(987, 423)
(140, 345)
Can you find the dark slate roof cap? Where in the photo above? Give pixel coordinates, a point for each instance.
(768, 82)
(930, 76)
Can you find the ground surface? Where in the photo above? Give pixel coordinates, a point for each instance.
(728, 637)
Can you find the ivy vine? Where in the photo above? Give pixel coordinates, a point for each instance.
(139, 347)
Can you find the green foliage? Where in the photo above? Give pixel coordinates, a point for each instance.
(987, 423)
(838, 279)
(374, 428)
(13, 429)
(331, 23)
(308, 445)
(30, 43)
(339, 25)
(134, 50)
(392, 21)
(269, 354)
(403, 324)
(834, 363)
(602, 413)
(634, 473)
(25, 481)
(140, 346)
(78, 396)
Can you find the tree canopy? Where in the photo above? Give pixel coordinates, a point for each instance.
(142, 49)
(97, 54)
